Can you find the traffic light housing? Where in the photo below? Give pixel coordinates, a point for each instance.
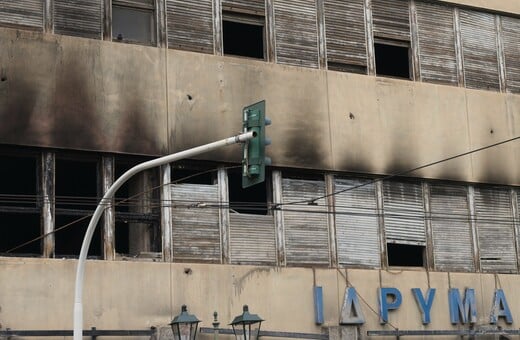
(254, 160)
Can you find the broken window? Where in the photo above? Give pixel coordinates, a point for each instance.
(133, 21)
(243, 35)
(392, 59)
(19, 214)
(405, 255)
(252, 200)
(76, 200)
(391, 29)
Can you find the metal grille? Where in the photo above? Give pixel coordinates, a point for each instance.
(306, 229)
(511, 41)
(80, 18)
(391, 19)
(345, 32)
(196, 232)
(451, 228)
(190, 25)
(296, 32)
(357, 228)
(252, 239)
(403, 213)
(437, 56)
(24, 13)
(496, 237)
(479, 48)
(256, 7)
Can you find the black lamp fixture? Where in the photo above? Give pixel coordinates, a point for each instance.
(184, 326)
(244, 325)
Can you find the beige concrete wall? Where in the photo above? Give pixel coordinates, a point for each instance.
(506, 6)
(102, 96)
(38, 294)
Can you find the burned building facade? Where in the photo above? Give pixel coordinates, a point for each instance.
(394, 146)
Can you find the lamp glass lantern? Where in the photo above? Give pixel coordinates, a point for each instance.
(184, 326)
(244, 325)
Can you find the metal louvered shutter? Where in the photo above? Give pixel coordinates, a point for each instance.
(190, 25)
(437, 56)
(451, 228)
(403, 213)
(306, 229)
(256, 7)
(357, 227)
(252, 239)
(511, 41)
(196, 231)
(296, 32)
(496, 237)
(391, 19)
(479, 49)
(345, 32)
(24, 13)
(80, 18)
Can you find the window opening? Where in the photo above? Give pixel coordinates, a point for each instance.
(76, 197)
(252, 200)
(133, 21)
(200, 176)
(393, 59)
(243, 35)
(405, 255)
(19, 214)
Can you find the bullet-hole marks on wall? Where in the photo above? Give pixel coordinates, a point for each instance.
(188, 271)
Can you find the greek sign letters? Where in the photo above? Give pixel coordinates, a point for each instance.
(462, 309)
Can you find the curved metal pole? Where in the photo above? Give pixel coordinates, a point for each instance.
(105, 202)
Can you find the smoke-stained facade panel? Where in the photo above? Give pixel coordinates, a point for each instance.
(495, 228)
(391, 19)
(437, 55)
(345, 32)
(24, 13)
(80, 18)
(511, 43)
(451, 228)
(296, 32)
(196, 231)
(404, 213)
(479, 50)
(190, 25)
(306, 229)
(357, 223)
(252, 239)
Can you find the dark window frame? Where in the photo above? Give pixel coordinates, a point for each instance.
(145, 6)
(398, 44)
(245, 19)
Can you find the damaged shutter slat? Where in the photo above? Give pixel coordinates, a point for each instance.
(296, 32)
(404, 213)
(451, 228)
(256, 7)
(306, 229)
(190, 25)
(345, 32)
(80, 18)
(437, 56)
(511, 40)
(479, 49)
(24, 13)
(196, 231)
(252, 239)
(357, 228)
(495, 228)
(391, 19)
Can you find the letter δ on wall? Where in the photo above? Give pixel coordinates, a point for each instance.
(351, 313)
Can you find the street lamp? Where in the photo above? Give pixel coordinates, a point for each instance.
(184, 325)
(242, 325)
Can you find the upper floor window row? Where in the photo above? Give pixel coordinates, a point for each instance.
(421, 40)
